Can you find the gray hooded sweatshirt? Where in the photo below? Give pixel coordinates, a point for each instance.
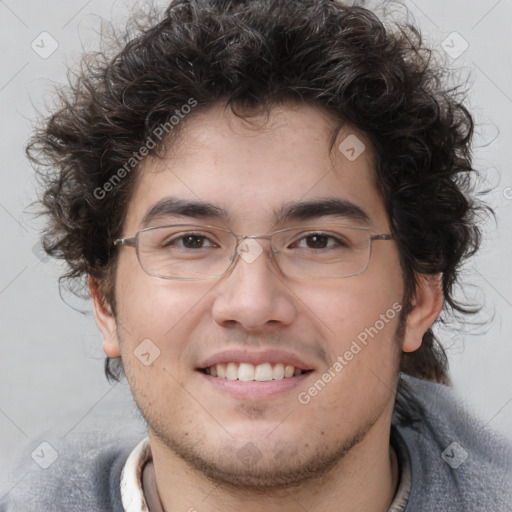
(456, 463)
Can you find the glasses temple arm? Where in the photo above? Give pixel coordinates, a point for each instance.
(125, 242)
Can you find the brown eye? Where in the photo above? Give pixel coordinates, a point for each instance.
(193, 241)
(321, 241)
(317, 241)
(188, 241)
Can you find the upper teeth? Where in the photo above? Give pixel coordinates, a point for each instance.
(247, 371)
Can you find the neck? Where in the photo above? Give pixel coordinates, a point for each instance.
(366, 478)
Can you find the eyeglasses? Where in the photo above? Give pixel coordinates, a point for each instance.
(194, 252)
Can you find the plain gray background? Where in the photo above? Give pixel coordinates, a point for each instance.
(51, 364)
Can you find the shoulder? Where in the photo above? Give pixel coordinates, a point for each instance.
(78, 471)
(457, 462)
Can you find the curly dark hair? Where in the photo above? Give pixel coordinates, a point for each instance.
(251, 55)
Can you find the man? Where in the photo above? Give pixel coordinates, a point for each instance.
(269, 201)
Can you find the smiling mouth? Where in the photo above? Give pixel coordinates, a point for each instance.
(249, 372)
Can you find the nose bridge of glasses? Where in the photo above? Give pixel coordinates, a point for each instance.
(249, 248)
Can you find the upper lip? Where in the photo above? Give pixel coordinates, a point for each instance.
(273, 356)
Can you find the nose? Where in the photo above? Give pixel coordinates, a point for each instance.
(254, 295)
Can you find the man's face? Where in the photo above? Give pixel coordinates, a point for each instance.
(251, 432)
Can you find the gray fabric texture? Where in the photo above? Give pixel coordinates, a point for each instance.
(474, 475)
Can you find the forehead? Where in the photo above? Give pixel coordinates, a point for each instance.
(253, 168)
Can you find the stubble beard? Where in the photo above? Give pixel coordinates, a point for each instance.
(273, 471)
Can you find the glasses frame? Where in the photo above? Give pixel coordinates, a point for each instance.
(134, 242)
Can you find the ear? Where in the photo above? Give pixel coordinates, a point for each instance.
(105, 320)
(426, 307)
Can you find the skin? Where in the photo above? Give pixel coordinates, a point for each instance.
(334, 450)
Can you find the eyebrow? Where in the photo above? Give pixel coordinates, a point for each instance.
(296, 211)
(315, 209)
(171, 206)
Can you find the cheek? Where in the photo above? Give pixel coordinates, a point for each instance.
(154, 308)
(157, 321)
(358, 320)
(357, 323)
(344, 308)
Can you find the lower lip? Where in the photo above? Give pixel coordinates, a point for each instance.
(253, 389)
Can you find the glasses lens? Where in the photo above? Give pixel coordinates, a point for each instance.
(185, 251)
(331, 251)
